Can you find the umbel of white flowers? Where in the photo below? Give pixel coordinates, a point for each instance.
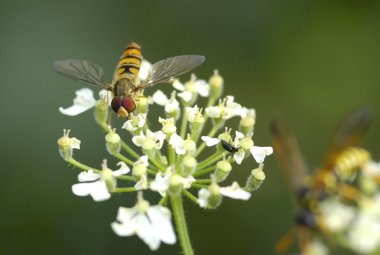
(172, 161)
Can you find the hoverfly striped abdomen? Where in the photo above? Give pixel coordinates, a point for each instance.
(129, 64)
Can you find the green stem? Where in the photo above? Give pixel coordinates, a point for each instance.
(120, 190)
(179, 218)
(204, 171)
(184, 121)
(210, 160)
(190, 196)
(86, 168)
(203, 181)
(157, 164)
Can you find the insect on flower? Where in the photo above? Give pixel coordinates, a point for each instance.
(125, 86)
(328, 181)
(228, 147)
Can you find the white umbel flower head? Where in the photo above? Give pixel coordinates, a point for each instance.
(152, 224)
(98, 185)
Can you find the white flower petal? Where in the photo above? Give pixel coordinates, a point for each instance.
(213, 112)
(138, 139)
(88, 176)
(129, 126)
(124, 169)
(160, 98)
(142, 184)
(160, 218)
(177, 143)
(259, 153)
(239, 156)
(83, 101)
(210, 141)
(145, 231)
(186, 96)
(234, 191)
(203, 196)
(161, 183)
(178, 85)
(97, 190)
(122, 229)
(202, 88)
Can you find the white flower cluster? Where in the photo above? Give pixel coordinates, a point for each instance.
(171, 162)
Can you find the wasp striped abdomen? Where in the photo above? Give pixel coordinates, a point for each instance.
(130, 61)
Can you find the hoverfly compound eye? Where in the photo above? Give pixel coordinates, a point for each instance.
(116, 103)
(128, 104)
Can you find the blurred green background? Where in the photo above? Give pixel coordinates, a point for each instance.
(312, 60)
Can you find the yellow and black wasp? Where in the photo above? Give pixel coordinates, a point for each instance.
(125, 85)
(343, 158)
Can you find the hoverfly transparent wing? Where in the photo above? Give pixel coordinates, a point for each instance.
(83, 71)
(165, 70)
(286, 146)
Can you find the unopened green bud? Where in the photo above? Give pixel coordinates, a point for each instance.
(107, 175)
(256, 178)
(215, 197)
(175, 185)
(216, 84)
(113, 143)
(67, 144)
(223, 169)
(101, 111)
(247, 123)
(139, 170)
(246, 143)
(189, 165)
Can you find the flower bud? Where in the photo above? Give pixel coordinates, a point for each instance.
(188, 166)
(101, 111)
(216, 83)
(175, 185)
(107, 176)
(113, 143)
(67, 144)
(248, 121)
(256, 178)
(223, 169)
(215, 197)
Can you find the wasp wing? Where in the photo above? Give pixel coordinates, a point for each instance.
(83, 71)
(165, 70)
(286, 146)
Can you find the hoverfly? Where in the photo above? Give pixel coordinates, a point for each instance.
(310, 190)
(125, 85)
